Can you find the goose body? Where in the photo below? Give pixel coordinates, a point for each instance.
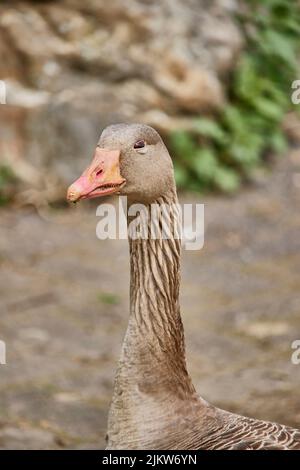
(154, 404)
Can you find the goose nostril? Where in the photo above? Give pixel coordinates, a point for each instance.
(99, 172)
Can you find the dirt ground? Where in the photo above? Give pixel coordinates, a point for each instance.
(64, 307)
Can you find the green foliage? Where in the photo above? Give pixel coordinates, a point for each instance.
(7, 180)
(220, 153)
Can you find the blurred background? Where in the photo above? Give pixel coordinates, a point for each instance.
(215, 79)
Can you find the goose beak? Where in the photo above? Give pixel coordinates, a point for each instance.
(101, 178)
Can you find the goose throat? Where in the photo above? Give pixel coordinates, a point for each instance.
(154, 344)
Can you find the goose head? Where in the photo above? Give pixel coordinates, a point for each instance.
(129, 159)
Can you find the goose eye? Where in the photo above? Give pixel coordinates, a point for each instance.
(139, 144)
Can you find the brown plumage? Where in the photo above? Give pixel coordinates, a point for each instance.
(154, 404)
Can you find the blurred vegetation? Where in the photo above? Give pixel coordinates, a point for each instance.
(108, 298)
(7, 184)
(220, 153)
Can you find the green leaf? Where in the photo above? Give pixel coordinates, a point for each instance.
(247, 81)
(278, 142)
(209, 128)
(234, 119)
(269, 109)
(183, 145)
(226, 179)
(280, 46)
(181, 175)
(205, 164)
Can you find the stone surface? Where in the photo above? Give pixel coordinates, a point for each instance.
(72, 69)
(240, 305)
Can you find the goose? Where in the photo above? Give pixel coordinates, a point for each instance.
(154, 404)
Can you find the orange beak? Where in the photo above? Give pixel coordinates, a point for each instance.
(101, 178)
